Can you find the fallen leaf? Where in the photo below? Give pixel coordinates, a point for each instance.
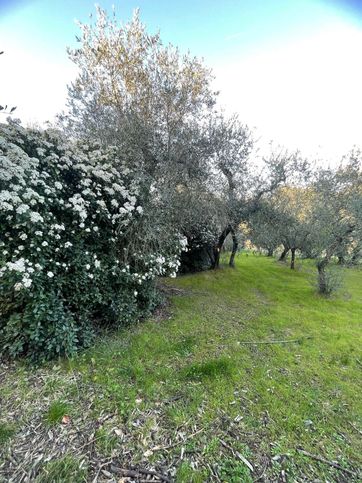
(65, 419)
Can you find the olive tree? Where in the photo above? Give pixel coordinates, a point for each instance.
(151, 101)
(336, 223)
(261, 228)
(293, 205)
(132, 89)
(242, 180)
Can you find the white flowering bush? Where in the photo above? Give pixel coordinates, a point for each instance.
(66, 268)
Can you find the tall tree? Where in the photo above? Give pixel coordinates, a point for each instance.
(242, 180)
(132, 89)
(151, 101)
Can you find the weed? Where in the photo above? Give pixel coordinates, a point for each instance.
(105, 441)
(187, 474)
(6, 432)
(234, 471)
(56, 411)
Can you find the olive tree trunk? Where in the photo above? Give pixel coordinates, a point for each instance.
(235, 248)
(322, 280)
(292, 261)
(284, 254)
(219, 245)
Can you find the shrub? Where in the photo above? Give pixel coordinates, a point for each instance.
(329, 281)
(67, 214)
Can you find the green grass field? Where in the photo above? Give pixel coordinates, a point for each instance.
(199, 392)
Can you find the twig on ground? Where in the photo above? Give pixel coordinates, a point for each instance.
(93, 440)
(288, 341)
(100, 469)
(239, 455)
(213, 472)
(327, 462)
(355, 428)
(137, 472)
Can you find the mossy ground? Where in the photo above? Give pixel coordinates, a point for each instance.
(195, 373)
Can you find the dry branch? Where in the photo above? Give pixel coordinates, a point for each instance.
(136, 473)
(327, 462)
(288, 341)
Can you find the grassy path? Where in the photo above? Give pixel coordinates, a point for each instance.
(187, 395)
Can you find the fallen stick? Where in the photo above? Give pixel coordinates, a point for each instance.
(136, 473)
(95, 479)
(327, 462)
(288, 341)
(239, 455)
(354, 427)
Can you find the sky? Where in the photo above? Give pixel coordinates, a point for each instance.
(290, 68)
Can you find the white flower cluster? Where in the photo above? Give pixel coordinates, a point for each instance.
(67, 208)
(49, 203)
(159, 265)
(24, 268)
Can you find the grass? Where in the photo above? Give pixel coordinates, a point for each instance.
(192, 373)
(56, 411)
(6, 432)
(212, 369)
(64, 470)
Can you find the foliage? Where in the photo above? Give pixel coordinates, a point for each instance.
(261, 228)
(133, 91)
(330, 282)
(320, 215)
(241, 181)
(284, 219)
(70, 256)
(234, 472)
(128, 74)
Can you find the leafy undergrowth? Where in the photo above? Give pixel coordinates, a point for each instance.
(201, 394)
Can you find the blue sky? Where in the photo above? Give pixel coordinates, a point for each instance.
(207, 27)
(289, 67)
